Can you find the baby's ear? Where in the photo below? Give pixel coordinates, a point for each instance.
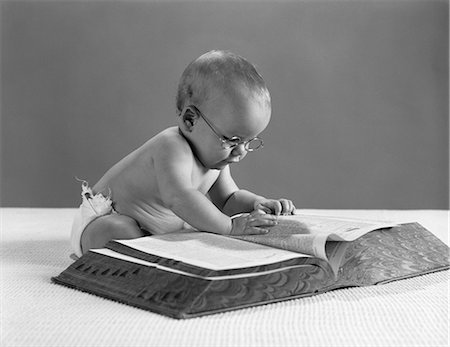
(189, 119)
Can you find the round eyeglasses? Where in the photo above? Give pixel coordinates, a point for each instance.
(229, 143)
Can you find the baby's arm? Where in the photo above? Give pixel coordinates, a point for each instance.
(232, 200)
(174, 164)
(229, 198)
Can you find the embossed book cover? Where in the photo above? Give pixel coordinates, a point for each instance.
(190, 274)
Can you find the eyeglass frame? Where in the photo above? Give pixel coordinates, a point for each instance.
(224, 141)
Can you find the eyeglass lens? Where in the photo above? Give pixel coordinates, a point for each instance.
(250, 146)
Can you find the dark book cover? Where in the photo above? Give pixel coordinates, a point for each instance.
(181, 290)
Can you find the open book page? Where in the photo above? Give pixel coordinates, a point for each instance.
(335, 253)
(340, 229)
(210, 251)
(284, 236)
(308, 234)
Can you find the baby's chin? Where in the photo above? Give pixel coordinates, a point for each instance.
(219, 166)
(222, 164)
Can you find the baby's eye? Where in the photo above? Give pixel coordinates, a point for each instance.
(234, 139)
(232, 142)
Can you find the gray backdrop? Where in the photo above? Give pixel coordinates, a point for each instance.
(359, 89)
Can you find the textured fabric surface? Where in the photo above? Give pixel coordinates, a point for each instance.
(35, 312)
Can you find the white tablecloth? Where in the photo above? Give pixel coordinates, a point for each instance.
(36, 312)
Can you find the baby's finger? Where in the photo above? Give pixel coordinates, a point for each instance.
(288, 206)
(262, 220)
(293, 209)
(256, 231)
(264, 209)
(284, 205)
(277, 207)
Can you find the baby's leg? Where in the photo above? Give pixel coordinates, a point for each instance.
(109, 227)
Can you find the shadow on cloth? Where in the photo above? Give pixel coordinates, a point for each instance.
(413, 284)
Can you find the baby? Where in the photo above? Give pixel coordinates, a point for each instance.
(181, 177)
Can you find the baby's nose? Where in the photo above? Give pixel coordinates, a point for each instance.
(239, 151)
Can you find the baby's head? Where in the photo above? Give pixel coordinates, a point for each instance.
(219, 71)
(222, 94)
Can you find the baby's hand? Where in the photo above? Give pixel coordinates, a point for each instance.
(253, 223)
(276, 207)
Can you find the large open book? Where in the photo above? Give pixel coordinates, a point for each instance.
(190, 273)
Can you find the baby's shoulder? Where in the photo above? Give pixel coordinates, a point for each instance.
(168, 137)
(168, 142)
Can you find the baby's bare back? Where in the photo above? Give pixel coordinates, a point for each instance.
(133, 186)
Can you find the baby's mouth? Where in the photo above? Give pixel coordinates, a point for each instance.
(234, 160)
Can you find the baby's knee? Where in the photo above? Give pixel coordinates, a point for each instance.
(121, 225)
(106, 228)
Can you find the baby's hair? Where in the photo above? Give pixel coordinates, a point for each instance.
(220, 70)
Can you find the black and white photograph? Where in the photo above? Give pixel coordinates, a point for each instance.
(224, 173)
